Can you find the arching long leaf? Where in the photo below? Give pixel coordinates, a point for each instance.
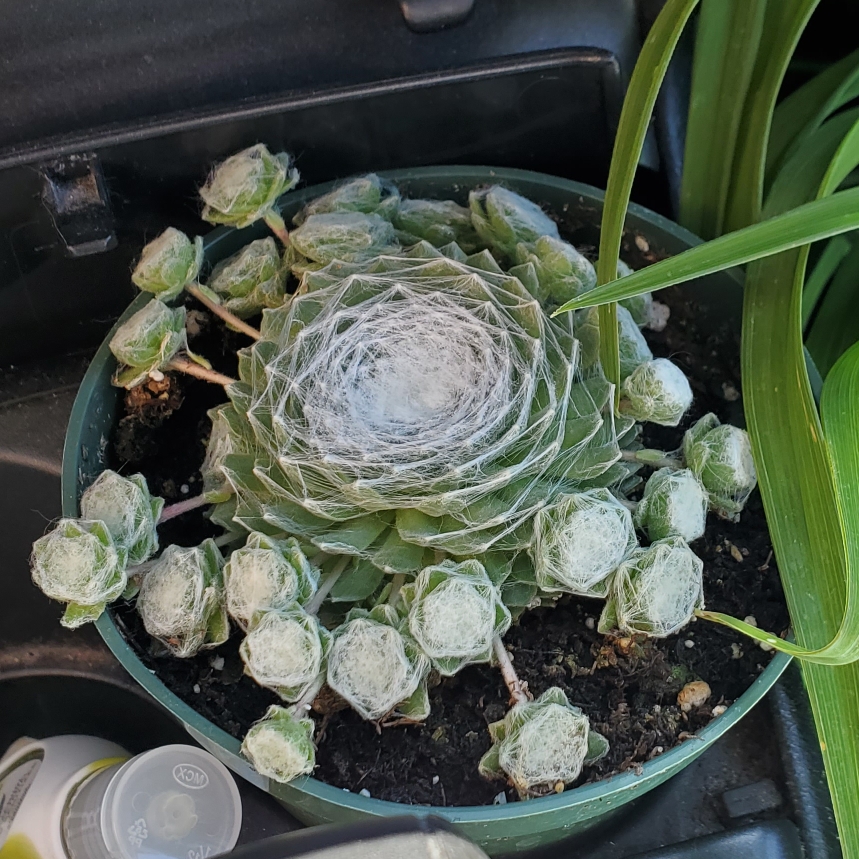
(827, 264)
(784, 23)
(726, 50)
(836, 326)
(806, 109)
(635, 117)
(808, 481)
(809, 223)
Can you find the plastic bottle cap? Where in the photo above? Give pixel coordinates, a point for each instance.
(174, 801)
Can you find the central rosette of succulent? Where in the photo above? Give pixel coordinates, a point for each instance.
(410, 403)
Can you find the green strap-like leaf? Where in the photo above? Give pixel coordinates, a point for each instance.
(783, 25)
(726, 48)
(836, 325)
(839, 407)
(794, 467)
(809, 223)
(806, 109)
(634, 121)
(827, 264)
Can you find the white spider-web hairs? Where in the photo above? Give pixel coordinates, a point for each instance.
(147, 341)
(540, 746)
(280, 745)
(720, 455)
(674, 504)
(656, 391)
(373, 665)
(656, 591)
(579, 542)
(455, 611)
(285, 651)
(181, 599)
(128, 510)
(422, 386)
(266, 575)
(78, 563)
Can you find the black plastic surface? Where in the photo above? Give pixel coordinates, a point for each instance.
(426, 16)
(70, 67)
(75, 195)
(778, 839)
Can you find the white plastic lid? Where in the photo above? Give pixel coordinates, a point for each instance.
(174, 801)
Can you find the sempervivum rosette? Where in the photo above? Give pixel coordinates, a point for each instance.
(413, 402)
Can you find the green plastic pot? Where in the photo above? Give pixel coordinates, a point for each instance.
(498, 829)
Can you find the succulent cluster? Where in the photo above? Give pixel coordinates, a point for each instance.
(84, 563)
(416, 452)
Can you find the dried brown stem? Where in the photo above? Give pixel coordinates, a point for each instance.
(171, 511)
(518, 688)
(190, 368)
(219, 310)
(278, 226)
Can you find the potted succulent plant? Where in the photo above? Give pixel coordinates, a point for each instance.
(423, 443)
(388, 607)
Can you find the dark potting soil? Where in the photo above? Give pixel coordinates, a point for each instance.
(628, 688)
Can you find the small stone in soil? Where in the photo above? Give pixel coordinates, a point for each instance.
(196, 688)
(689, 643)
(218, 663)
(590, 623)
(500, 799)
(729, 392)
(364, 792)
(435, 779)
(736, 651)
(693, 695)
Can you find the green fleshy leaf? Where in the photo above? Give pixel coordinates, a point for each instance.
(77, 615)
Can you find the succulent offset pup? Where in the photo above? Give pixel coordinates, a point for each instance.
(413, 454)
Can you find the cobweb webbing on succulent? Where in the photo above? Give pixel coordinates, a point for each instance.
(416, 384)
(720, 456)
(285, 650)
(181, 599)
(280, 745)
(580, 541)
(267, 575)
(454, 613)
(540, 746)
(376, 666)
(78, 563)
(656, 591)
(402, 405)
(674, 504)
(128, 511)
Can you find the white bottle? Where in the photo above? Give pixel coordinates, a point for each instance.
(37, 779)
(82, 798)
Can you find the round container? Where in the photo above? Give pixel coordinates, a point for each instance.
(498, 829)
(37, 778)
(173, 802)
